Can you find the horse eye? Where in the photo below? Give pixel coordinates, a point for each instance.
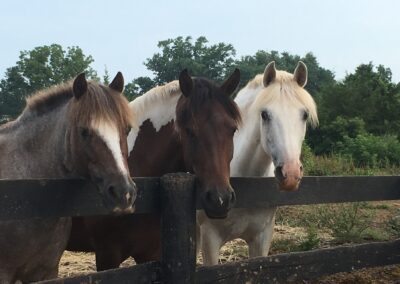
(85, 133)
(190, 133)
(305, 115)
(265, 115)
(127, 130)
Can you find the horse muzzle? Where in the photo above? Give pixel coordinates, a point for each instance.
(289, 176)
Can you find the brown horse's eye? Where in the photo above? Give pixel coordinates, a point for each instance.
(190, 133)
(85, 133)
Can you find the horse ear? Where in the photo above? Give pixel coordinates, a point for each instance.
(185, 83)
(117, 83)
(79, 86)
(230, 84)
(300, 74)
(269, 74)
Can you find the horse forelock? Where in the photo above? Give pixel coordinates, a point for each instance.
(202, 100)
(101, 105)
(283, 90)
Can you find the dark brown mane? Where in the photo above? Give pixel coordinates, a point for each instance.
(206, 91)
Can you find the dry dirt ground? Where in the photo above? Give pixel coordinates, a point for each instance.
(74, 264)
(285, 235)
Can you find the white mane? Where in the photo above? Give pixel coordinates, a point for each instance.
(158, 105)
(283, 88)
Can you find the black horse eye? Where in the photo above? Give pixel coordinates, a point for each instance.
(265, 115)
(127, 130)
(305, 115)
(85, 132)
(190, 132)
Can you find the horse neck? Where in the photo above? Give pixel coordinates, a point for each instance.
(249, 158)
(156, 153)
(36, 146)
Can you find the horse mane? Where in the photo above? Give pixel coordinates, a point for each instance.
(282, 88)
(100, 103)
(207, 92)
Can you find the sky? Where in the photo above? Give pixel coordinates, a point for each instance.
(121, 34)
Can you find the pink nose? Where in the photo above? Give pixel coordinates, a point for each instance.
(289, 176)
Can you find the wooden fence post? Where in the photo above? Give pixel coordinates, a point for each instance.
(178, 228)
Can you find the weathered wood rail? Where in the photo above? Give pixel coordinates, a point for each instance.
(49, 198)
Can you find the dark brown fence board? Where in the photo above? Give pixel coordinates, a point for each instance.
(49, 198)
(53, 197)
(294, 267)
(144, 273)
(178, 229)
(263, 192)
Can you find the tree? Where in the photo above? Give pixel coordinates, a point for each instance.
(138, 87)
(200, 58)
(369, 94)
(40, 68)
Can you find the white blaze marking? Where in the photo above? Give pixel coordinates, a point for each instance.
(110, 135)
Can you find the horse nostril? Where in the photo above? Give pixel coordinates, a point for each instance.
(232, 200)
(279, 174)
(112, 191)
(208, 196)
(301, 168)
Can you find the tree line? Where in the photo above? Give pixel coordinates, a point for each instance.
(359, 115)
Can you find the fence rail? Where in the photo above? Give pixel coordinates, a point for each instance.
(50, 198)
(174, 196)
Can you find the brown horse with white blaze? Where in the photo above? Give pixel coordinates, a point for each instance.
(186, 125)
(70, 131)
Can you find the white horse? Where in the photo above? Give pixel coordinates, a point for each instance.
(275, 108)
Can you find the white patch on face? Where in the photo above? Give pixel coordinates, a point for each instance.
(110, 135)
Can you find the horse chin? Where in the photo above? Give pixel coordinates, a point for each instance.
(289, 186)
(215, 215)
(119, 211)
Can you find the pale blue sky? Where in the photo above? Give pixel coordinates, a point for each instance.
(122, 34)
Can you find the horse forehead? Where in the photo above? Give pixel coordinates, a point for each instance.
(106, 129)
(285, 108)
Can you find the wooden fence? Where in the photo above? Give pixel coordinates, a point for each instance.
(174, 196)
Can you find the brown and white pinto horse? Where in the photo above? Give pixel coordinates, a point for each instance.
(184, 126)
(69, 131)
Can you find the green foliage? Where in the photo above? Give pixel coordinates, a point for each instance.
(370, 150)
(40, 68)
(138, 87)
(200, 58)
(347, 222)
(394, 224)
(311, 241)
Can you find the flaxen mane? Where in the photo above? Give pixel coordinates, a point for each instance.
(156, 95)
(283, 88)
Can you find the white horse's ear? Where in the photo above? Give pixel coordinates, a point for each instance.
(300, 74)
(269, 74)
